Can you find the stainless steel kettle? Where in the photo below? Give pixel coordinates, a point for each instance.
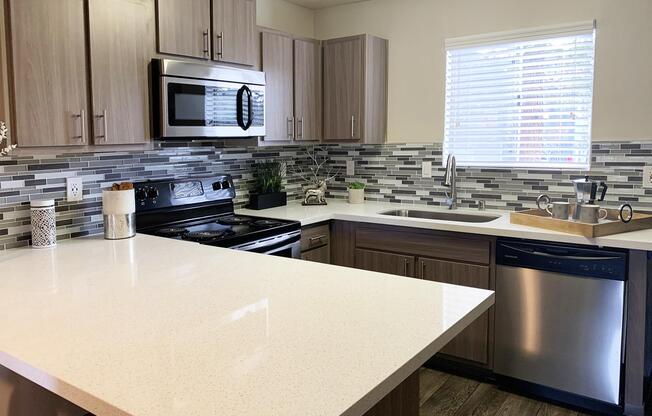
(586, 190)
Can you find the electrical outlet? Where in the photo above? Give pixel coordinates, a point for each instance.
(426, 169)
(350, 168)
(647, 177)
(74, 189)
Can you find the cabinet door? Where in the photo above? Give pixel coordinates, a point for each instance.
(234, 31)
(379, 261)
(121, 46)
(49, 67)
(472, 343)
(307, 89)
(319, 255)
(277, 64)
(343, 89)
(184, 27)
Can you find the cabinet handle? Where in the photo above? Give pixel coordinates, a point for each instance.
(353, 126)
(300, 128)
(405, 270)
(220, 44)
(205, 35)
(423, 269)
(82, 126)
(290, 128)
(316, 238)
(105, 136)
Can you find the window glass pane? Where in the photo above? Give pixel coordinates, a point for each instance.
(521, 103)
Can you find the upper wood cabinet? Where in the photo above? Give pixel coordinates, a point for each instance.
(293, 88)
(121, 45)
(184, 27)
(234, 31)
(308, 89)
(49, 72)
(355, 89)
(50, 68)
(278, 64)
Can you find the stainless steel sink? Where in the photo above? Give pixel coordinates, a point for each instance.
(440, 215)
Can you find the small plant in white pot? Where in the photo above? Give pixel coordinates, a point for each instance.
(356, 193)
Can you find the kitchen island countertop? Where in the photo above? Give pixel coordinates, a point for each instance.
(154, 326)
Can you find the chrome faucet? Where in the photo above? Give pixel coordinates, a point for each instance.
(449, 180)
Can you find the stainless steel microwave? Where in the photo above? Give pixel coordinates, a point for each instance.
(201, 100)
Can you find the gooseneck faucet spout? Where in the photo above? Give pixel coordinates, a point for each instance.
(449, 181)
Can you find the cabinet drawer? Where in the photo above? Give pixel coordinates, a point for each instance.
(319, 255)
(427, 244)
(315, 236)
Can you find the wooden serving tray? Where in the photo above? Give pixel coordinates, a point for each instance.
(611, 225)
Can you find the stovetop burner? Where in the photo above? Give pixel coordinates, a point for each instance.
(265, 223)
(172, 232)
(234, 220)
(207, 235)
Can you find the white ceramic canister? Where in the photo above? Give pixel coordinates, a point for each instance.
(119, 211)
(44, 223)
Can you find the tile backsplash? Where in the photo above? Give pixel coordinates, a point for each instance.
(392, 173)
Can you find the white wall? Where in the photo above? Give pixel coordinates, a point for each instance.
(417, 30)
(285, 16)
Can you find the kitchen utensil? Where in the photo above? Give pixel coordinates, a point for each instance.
(558, 210)
(44, 225)
(586, 191)
(592, 214)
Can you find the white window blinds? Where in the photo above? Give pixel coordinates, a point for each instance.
(521, 99)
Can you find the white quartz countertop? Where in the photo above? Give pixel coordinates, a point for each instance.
(370, 212)
(154, 326)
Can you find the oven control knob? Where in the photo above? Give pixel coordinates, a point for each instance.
(217, 186)
(141, 193)
(226, 185)
(152, 193)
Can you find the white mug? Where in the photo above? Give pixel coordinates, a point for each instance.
(592, 214)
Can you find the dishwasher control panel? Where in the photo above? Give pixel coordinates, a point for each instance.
(567, 259)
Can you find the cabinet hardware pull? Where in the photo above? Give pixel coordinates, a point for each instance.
(105, 135)
(317, 238)
(300, 128)
(290, 128)
(423, 269)
(353, 126)
(405, 271)
(82, 128)
(205, 35)
(220, 44)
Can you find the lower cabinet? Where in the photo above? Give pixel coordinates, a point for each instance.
(472, 343)
(445, 257)
(315, 243)
(378, 261)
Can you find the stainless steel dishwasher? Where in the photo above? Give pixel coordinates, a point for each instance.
(560, 317)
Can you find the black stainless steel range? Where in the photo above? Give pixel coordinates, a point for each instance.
(201, 210)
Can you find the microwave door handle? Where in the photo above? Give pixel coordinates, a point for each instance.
(250, 112)
(240, 110)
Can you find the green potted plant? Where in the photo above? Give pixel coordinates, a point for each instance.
(356, 193)
(267, 192)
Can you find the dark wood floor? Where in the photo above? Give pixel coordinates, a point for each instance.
(443, 394)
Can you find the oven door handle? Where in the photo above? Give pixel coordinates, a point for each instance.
(240, 112)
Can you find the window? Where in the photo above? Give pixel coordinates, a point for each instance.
(521, 99)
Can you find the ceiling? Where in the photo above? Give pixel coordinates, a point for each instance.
(320, 4)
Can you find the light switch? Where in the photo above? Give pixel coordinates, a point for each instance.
(350, 168)
(426, 169)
